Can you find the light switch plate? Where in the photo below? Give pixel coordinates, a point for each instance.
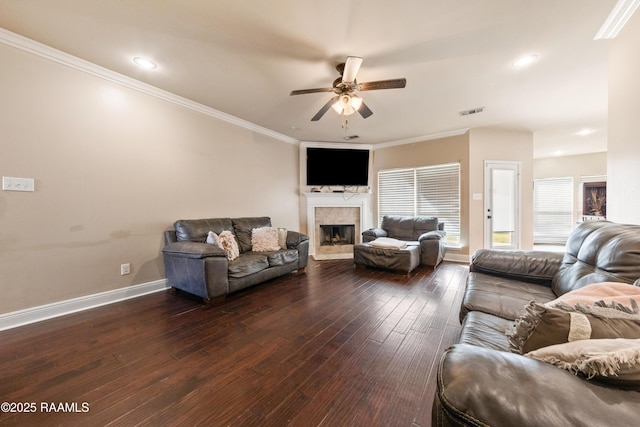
(17, 184)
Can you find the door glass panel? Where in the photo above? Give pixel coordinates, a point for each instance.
(503, 215)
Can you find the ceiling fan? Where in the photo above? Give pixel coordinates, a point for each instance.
(346, 101)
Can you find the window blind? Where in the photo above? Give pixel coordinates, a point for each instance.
(552, 210)
(424, 191)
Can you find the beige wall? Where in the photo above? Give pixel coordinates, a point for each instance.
(113, 168)
(431, 152)
(623, 161)
(487, 144)
(576, 167)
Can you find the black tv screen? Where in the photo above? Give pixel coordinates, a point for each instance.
(337, 166)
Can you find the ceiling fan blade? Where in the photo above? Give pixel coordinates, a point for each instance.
(383, 84)
(364, 110)
(351, 68)
(324, 109)
(303, 91)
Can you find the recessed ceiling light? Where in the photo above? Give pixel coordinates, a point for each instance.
(145, 63)
(585, 132)
(525, 60)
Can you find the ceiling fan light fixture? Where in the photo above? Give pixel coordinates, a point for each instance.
(347, 104)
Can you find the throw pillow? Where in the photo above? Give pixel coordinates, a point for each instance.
(282, 238)
(264, 239)
(542, 326)
(213, 239)
(229, 244)
(615, 361)
(603, 294)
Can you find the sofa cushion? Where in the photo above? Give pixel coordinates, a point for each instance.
(408, 227)
(615, 361)
(540, 326)
(196, 230)
(599, 251)
(282, 257)
(248, 263)
(242, 229)
(501, 296)
(485, 330)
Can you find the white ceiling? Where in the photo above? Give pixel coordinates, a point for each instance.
(243, 57)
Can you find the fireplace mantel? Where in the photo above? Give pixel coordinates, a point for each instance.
(361, 201)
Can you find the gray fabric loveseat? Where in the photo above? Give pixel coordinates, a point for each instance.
(425, 237)
(485, 381)
(205, 270)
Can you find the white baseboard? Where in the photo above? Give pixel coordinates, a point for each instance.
(457, 258)
(56, 309)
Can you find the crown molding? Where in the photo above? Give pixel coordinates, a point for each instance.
(322, 144)
(617, 19)
(31, 46)
(423, 138)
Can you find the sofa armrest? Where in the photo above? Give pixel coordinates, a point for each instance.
(372, 234)
(299, 241)
(187, 249)
(529, 266)
(478, 386)
(294, 238)
(432, 235)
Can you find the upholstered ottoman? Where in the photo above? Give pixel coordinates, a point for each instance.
(405, 259)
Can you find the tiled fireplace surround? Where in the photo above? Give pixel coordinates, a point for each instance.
(336, 209)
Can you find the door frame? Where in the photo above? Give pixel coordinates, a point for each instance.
(488, 229)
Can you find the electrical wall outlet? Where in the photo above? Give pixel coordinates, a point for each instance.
(125, 269)
(17, 184)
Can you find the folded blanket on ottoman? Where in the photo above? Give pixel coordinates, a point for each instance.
(388, 243)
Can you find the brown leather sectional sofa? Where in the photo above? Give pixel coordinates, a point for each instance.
(482, 382)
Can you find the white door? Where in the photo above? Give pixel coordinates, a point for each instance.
(502, 205)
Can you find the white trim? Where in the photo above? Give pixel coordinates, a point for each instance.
(457, 258)
(322, 144)
(61, 308)
(421, 138)
(47, 52)
(617, 19)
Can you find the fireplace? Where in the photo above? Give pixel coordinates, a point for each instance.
(342, 216)
(337, 234)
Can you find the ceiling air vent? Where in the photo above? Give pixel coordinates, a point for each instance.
(350, 137)
(472, 111)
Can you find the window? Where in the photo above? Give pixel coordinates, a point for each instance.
(424, 191)
(552, 210)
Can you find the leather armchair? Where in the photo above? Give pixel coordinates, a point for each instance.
(428, 232)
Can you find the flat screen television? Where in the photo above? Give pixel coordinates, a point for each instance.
(337, 166)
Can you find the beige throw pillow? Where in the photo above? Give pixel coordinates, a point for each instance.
(282, 238)
(542, 326)
(229, 244)
(615, 361)
(264, 239)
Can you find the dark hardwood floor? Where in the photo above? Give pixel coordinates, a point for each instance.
(337, 346)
